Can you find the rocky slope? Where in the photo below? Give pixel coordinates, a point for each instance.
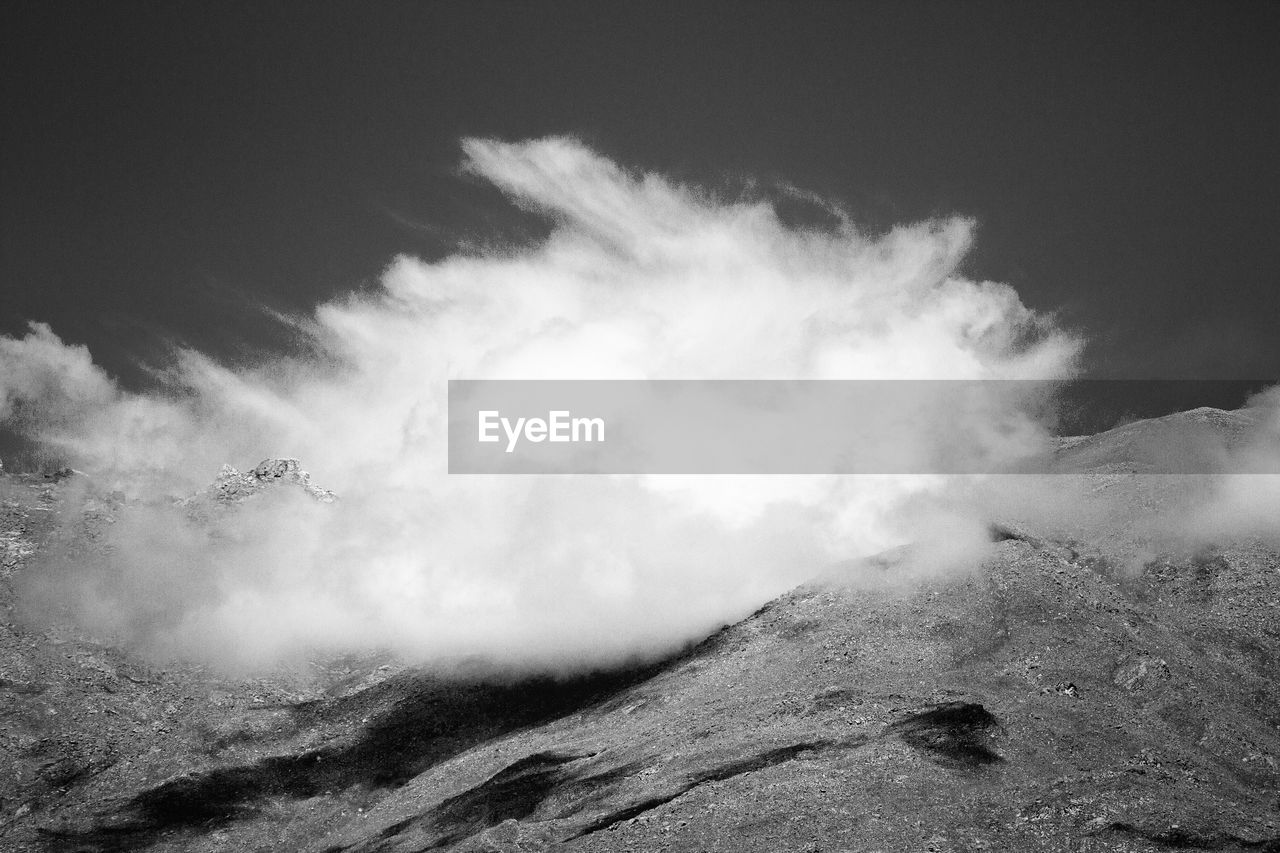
(1064, 695)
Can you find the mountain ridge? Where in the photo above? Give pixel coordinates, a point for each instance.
(1066, 693)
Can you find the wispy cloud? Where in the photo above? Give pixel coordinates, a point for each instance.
(639, 278)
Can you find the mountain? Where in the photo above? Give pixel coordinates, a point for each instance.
(1076, 691)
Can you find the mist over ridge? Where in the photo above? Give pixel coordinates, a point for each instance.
(639, 277)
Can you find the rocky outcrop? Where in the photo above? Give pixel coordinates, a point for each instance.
(232, 486)
(1141, 673)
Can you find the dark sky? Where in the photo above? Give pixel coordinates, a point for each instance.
(166, 165)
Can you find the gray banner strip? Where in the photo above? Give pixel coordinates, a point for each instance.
(813, 428)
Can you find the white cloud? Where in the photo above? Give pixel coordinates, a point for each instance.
(640, 278)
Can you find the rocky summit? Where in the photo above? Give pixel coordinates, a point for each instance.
(232, 486)
(1076, 691)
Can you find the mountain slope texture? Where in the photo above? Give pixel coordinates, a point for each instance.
(1076, 691)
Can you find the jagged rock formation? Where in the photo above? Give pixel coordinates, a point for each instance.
(231, 486)
(1056, 698)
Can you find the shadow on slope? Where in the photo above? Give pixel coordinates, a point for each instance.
(428, 719)
(570, 796)
(956, 734)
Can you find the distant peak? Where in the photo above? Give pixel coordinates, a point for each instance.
(231, 485)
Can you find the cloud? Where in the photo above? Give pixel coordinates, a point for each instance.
(1244, 500)
(640, 277)
(46, 384)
